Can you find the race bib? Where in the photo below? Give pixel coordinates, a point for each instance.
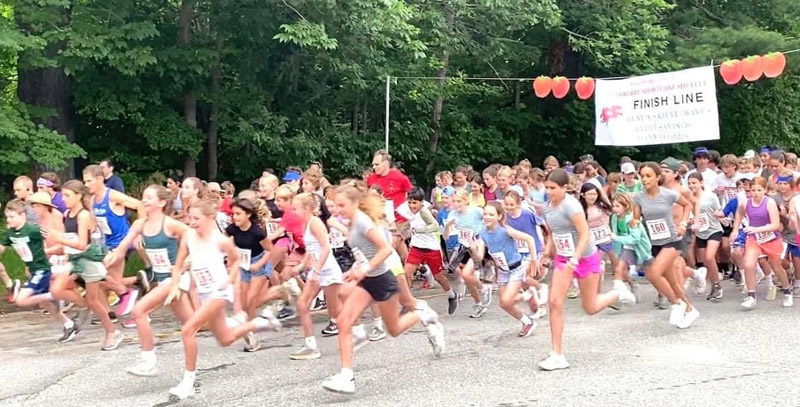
(203, 279)
(271, 227)
(601, 234)
(464, 237)
(159, 260)
(337, 238)
(500, 260)
(658, 229)
(703, 222)
(59, 264)
(522, 246)
(244, 258)
(565, 247)
(71, 237)
(765, 237)
(102, 224)
(23, 251)
(730, 193)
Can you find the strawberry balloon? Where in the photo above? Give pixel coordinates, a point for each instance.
(584, 87)
(731, 71)
(774, 63)
(542, 86)
(753, 67)
(560, 87)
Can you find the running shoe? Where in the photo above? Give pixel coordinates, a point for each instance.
(266, 321)
(143, 369)
(291, 287)
(127, 301)
(111, 315)
(339, 384)
(377, 334)
(626, 297)
(788, 300)
(452, 305)
(360, 338)
(663, 303)
(716, 293)
(82, 318)
(183, 390)
(688, 318)
(436, 337)
(572, 293)
(131, 323)
(527, 329)
(252, 343)
(69, 333)
(286, 313)
(13, 291)
(544, 294)
(554, 362)
(478, 310)
(113, 299)
(67, 306)
(486, 294)
(319, 304)
(700, 283)
(331, 330)
(143, 281)
(305, 353)
(772, 293)
(113, 342)
(749, 303)
(540, 313)
(676, 312)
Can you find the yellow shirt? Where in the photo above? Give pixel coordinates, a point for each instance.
(479, 201)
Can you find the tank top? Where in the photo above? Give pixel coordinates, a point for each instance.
(161, 249)
(313, 248)
(759, 216)
(113, 226)
(208, 263)
(71, 231)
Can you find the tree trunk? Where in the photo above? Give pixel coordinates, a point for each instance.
(213, 127)
(433, 140)
(189, 100)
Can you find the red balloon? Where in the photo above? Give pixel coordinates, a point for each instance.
(542, 86)
(560, 87)
(584, 87)
(753, 67)
(774, 63)
(731, 71)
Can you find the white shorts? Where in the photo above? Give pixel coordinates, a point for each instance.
(225, 294)
(511, 276)
(184, 284)
(327, 276)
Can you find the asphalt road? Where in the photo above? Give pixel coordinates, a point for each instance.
(628, 358)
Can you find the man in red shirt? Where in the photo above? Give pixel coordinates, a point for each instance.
(395, 187)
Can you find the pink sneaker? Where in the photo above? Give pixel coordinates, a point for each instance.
(127, 301)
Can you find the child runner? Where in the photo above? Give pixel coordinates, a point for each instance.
(708, 232)
(525, 221)
(632, 244)
(784, 198)
(467, 222)
(598, 208)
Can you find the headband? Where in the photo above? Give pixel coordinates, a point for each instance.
(787, 179)
(765, 150)
(41, 182)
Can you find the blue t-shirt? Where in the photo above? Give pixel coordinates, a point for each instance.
(501, 247)
(527, 223)
(114, 182)
(451, 242)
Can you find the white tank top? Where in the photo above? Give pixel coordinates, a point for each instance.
(314, 249)
(208, 263)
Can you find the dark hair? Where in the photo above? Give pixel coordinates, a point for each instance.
(559, 176)
(744, 181)
(653, 166)
(416, 194)
(248, 207)
(697, 176)
(602, 202)
(475, 176)
(713, 156)
(108, 162)
(778, 155)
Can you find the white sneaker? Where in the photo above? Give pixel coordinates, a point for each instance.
(554, 362)
(436, 337)
(688, 318)
(337, 383)
(182, 390)
(486, 295)
(143, 369)
(700, 283)
(749, 303)
(425, 313)
(625, 294)
(377, 334)
(291, 287)
(676, 312)
(544, 295)
(788, 301)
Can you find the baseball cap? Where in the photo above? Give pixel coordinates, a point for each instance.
(291, 176)
(448, 191)
(671, 163)
(628, 168)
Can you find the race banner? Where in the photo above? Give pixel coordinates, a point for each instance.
(663, 108)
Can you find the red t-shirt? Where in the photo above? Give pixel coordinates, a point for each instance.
(395, 185)
(293, 226)
(227, 206)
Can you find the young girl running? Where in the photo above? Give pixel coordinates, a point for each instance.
(467, 221)
(525, 221)
(159, 234)
(597, 209)
(786, 199)
(763, 238)
(324, 272)
(370, 280)
(80, 240)
(655, 207)
(708, 232)
(208, 248)
(570, 247)
(631, 243)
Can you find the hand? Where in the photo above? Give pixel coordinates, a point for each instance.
(174, 293)
(719, 214)
(680, 230)
(634, 223)
(110, 258)
(253, 268)
(732, 237)
(355, 274)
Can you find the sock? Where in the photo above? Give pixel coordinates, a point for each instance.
(787, 291)
(311, 342)
(47, 297)
(333, 320)
(188, 378)
(525, 319)
(149, 356)
(378, 322)
(346, 373)
(770, 283)
(69, 324)
(751, 294)
(451, 293)
(358, 331)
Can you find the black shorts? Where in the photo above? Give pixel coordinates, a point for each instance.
(703, 243)
(727, 230)
(381, 287)
(655, 250)
(344, 256)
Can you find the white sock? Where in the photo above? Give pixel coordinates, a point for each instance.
(359, 331)
(69, 324)
(311, 342)
(149, 356)
(333, 320)
(525, 319)
(346, 373)
(378, 322)
(451, 293)
(188, 378)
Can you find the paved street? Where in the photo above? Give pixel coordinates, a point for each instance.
(628, 358)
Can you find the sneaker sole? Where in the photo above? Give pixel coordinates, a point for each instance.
(338, 390)
(148, 374)
(326, 335)
(305, 357)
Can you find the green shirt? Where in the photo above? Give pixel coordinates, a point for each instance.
(29, 245)
(624, 189)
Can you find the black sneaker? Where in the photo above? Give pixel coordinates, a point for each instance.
(452, 305)
(285, 313)
(69, 333)
(111, 315)
(319, 304)
(716, 293)
(331, 330)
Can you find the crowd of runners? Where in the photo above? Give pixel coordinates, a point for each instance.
(238, 264)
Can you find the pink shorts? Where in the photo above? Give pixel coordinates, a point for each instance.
(587, 266)
(773, 248)
(284, 242)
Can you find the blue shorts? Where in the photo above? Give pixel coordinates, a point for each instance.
(794, 250)
(741, 239)
(39, 282)
(247, 275)
(606, 247)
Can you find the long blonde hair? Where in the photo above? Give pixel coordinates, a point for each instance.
(370, 202)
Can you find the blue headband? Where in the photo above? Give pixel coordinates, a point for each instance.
(765, 149)
(787, 179)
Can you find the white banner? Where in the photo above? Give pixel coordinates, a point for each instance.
(663, 108)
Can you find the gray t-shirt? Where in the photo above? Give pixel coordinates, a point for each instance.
(363, 248)
(565, 234)
(709, 224)
(657, 215)
(788, 234)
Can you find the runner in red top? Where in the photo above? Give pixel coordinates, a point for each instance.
(395, 187)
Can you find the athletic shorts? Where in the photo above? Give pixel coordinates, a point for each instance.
(93, 271)
(686, 243)
(591, 264)
(327, 276)
(428, 257)
(677, 245)
(792, 249)
(184, 284)
(381, 287)
(224, 294)
(703, 243)
(726, 230)
(515, 275)
(344, 257)
(773, 248)
(247, 275)
(606, 247)
(39, 282)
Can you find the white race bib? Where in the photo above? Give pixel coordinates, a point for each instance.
(765, 237)
(23, 251)
(565, 247)
(500, 260)
(271, 227)
(465, 237)
(601, 234)
(71, 237)
(337, 238)
(102, 224)
(203, 279)
(522, 246)
(59, 264)
(658, 229)
(244, 258)
(703, 222)
(159, 260)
